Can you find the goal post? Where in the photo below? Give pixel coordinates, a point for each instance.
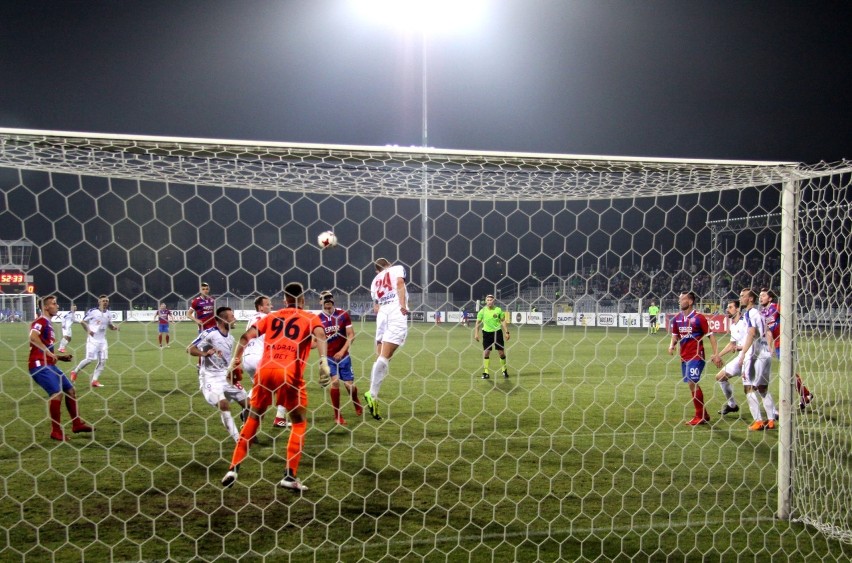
(580, 454)
(18, 307)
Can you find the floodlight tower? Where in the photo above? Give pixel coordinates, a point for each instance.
(424, 17)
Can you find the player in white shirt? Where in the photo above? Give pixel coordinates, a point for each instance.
(213, 346)
(390, 295)
(96, 322)
(734, 367)
(67, 327)
(756, 358)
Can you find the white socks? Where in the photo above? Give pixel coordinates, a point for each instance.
(728, 390)
(754, 405)
(83, 363)
(228, 421)
(380, 370)
(769, 405)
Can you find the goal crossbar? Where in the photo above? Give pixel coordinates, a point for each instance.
(379, 171)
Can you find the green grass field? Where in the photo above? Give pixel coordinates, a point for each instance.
(580, 455)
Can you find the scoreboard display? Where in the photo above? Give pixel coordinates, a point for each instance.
(15, 282)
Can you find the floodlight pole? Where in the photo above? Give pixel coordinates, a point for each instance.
(424, 202)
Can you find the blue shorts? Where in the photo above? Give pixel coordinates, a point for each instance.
(778, 353)
(163, 328)
(51, 378)
(342, 369)
(692, 370)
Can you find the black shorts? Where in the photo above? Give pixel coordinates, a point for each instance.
(653, 319)
(492, 340)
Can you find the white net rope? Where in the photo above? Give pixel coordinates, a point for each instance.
(379, 171)
(822, 472)
(581, 454)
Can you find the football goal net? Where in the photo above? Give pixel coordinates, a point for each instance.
(579, 453)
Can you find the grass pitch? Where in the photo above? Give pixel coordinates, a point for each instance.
(581, 454)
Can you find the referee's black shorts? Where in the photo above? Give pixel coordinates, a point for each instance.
(492, 340)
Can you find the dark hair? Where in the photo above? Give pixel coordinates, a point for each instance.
(736, 303)
(770, 293)
(293, 291)
(326, 297)
(204, 284)
(221, 310)
(259, 301)
(691, 295)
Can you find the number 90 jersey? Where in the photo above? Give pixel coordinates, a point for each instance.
(287, 339)
(384, 285)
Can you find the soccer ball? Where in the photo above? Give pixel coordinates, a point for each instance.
(327, 239)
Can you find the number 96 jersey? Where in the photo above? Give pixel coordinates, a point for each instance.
(288, 334)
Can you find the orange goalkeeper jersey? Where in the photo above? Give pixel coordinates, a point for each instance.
(287, 339)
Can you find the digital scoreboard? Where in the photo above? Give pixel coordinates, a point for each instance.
(15, 282)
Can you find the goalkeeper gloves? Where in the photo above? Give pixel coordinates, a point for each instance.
(325, 372)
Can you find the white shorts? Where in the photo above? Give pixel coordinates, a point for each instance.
(250, 363)
(734, 368)
(216, 388)
(96, 349)
(391, 326)
(756, 370)
(66, 333)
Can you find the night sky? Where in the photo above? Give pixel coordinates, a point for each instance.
(727, 80)
(698, 79)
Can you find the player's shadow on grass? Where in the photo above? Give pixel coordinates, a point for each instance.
(508, 386)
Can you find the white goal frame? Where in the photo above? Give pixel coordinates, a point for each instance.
(428, 174)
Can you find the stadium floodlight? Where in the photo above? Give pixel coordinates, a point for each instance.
(426, 17)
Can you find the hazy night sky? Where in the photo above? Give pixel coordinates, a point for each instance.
(753, 80)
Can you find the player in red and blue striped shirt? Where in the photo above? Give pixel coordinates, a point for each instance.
(340, 334)
(44, 371)
(689, 327)
(164, 316)
(202, 309)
